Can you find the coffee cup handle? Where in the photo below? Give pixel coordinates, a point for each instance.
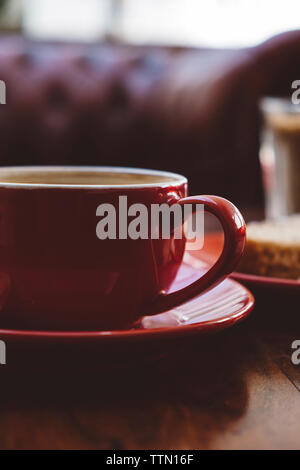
(234, 242)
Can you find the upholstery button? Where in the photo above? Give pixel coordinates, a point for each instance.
(24, 59)
(57, 97)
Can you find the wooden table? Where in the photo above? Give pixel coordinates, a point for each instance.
(235, 390)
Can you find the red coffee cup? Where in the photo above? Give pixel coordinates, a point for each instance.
(55, 272)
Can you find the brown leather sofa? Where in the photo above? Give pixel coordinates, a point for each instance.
(192, 111)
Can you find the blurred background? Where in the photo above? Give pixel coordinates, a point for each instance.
(167, 84)
(211, 23)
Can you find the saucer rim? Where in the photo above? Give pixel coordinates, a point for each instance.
(256, 280)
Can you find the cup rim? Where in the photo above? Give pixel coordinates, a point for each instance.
(178, 179)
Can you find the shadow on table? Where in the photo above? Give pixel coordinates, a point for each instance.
(183, 394)
(173, 401)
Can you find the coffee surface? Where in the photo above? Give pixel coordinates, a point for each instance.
(80, 177)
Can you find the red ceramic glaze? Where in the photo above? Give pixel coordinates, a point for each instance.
(221, 307)
(153, 339)
(56, 274)
(213, 246)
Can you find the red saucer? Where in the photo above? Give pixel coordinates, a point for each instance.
(223, 306)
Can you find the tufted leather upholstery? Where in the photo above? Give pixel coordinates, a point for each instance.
(185, 110)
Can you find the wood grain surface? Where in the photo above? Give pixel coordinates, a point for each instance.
(234, 390)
